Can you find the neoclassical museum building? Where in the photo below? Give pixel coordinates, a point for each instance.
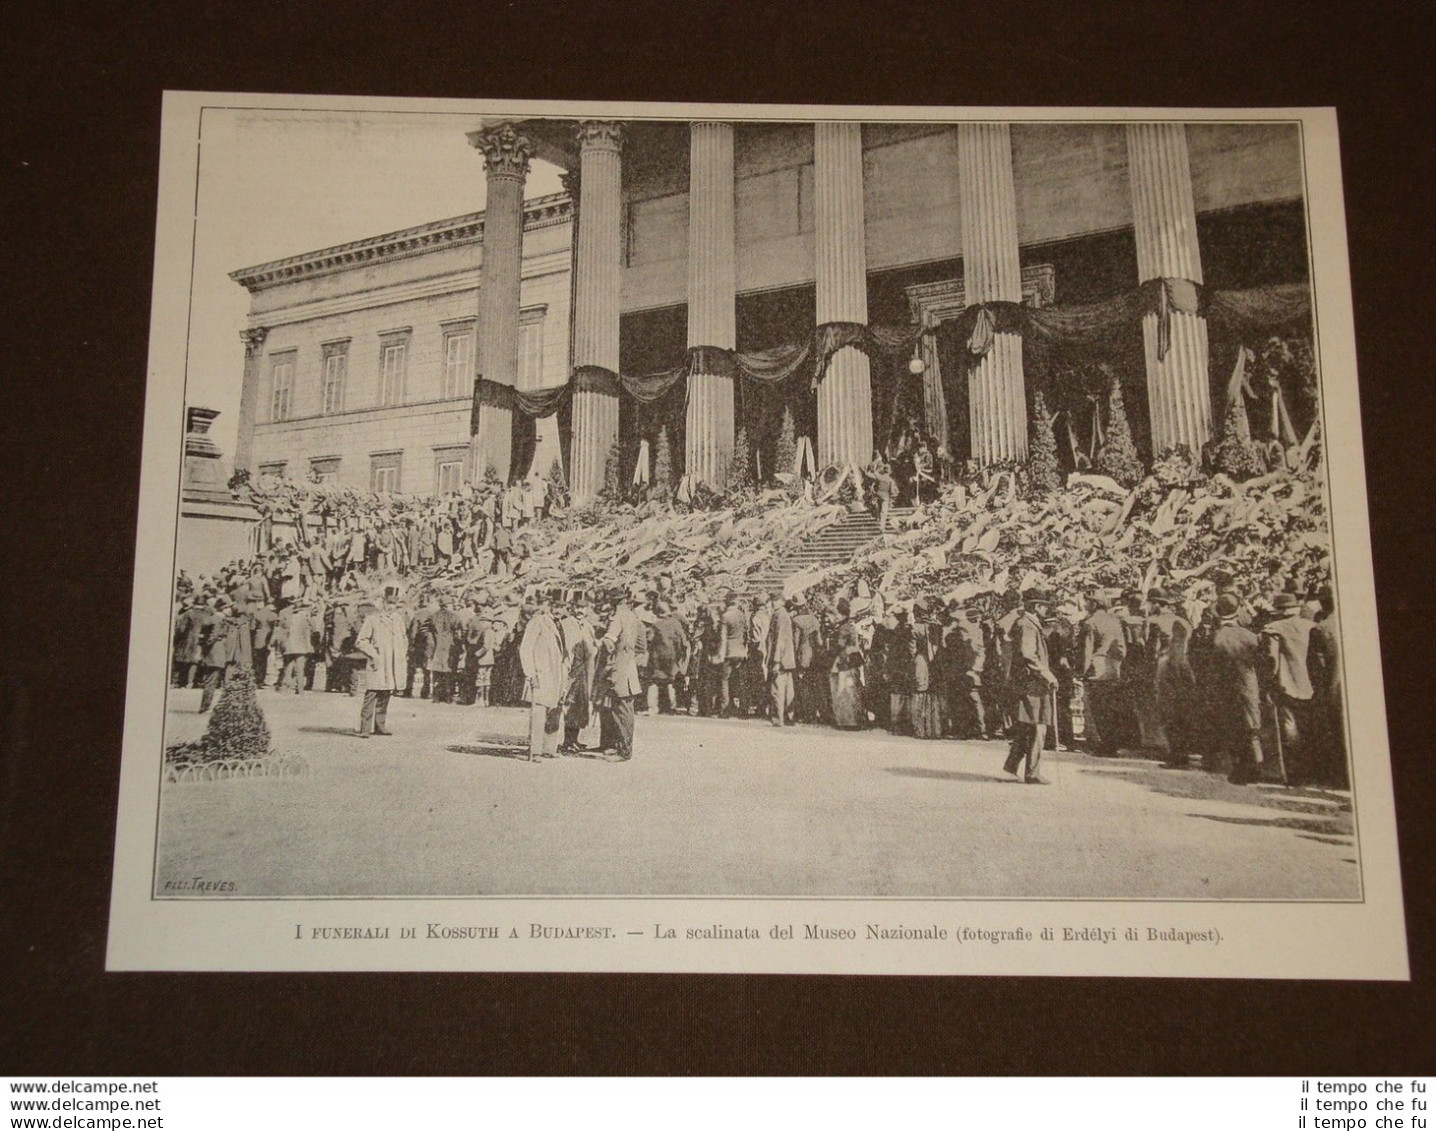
(702, 278)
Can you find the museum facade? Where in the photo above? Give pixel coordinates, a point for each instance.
(705, 278)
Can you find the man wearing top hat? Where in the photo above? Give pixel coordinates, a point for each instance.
(384, 641)
(1172, 685)
(1032, 685)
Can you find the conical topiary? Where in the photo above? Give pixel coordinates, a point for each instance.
(663, 464)
(1236, 456)
(558, 485)
(740, 463)
(786, 454)
(612, 480)
(1043, 474)
(236, 728)
(1118, 455)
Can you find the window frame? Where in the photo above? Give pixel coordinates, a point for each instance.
(285, 362)
(389, 395)
(380, 465)
(458, 383)
(334, 352)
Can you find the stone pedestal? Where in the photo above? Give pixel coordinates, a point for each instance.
(596, 292)
(506, 162)
(845, 408)
(997, 397)
(1165, 221)
(712, 290)
(253, 340)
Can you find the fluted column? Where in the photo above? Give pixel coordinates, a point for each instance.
(1165, 220)
(595, 321)
(845, 400)
(253, 340)
(712, 292)
(506, 163)
(997, 396)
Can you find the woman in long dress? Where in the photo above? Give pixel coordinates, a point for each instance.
(925, 705)
(845, 676)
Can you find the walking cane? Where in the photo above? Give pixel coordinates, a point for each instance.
(1280, 758)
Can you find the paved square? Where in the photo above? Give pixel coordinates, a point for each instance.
(451, 806)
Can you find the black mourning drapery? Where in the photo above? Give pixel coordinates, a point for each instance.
(969, 335)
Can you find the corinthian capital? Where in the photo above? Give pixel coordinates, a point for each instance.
(600, 135)
(253, 339)
(506, 151)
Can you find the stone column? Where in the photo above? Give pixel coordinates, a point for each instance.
(712, 292)
(845, 400)
(997, 396)
(595, 321)
(1165, 220)
(506, 163)
(253, 340)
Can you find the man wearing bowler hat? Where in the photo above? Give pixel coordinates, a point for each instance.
(1032, 685)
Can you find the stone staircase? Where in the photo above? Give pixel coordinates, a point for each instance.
(833, 544)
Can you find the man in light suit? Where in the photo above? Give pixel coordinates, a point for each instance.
(628, 639)
(780, 659)
(1103, 646)
(384, 640)
(543, 654)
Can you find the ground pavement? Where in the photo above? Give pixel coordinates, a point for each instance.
(450, 806)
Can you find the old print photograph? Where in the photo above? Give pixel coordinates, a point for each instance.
(640, 502)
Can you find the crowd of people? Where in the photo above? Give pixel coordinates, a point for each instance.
(1254, 694)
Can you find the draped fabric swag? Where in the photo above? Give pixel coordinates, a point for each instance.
(1085, 325)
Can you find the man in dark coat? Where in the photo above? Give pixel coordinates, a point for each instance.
(966, 654)
(1167, 636)
(1103, 646)
(447, 632)
(219, 647)
(187, 651)
(1286, 641)
(667, 658)
(1233, 692)
(1328, 706)
(626, 651)
(811, 677)
(1032, 684)
(263, 621)
(733, 644)
(710, 659)
(421, 649)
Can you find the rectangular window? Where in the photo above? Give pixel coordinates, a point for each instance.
(531, 354)
(273, 470)
(336, 369)
(393, 357)
(384, 472)
(451, 476)
(281, 381)
(458, 364)
(324, 469)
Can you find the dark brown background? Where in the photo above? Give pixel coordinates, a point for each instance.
(80, 127)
